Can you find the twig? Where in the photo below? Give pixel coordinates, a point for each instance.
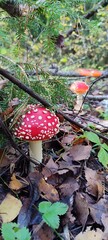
(97, 97)
(44, 102)
(81, 126)
(105, 75)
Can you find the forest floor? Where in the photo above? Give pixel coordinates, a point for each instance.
(72, 172)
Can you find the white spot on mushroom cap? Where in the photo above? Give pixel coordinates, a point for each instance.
(49, 124)
(35, 110)
(40, 117)
(27, 137)
(44, 111)
(49, 117)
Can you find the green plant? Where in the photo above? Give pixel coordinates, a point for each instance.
(12, 231)
(51, 212)
(103, 148)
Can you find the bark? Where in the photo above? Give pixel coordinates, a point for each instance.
(11, 7)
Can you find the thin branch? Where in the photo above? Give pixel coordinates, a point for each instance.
(105, 75)
(90, 14)
(101, 4)
(44, 102)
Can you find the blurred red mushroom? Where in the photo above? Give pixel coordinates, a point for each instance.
(79, 88)
(89, 72)
(36, 125)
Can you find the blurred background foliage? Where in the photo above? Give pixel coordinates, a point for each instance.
(33, 42)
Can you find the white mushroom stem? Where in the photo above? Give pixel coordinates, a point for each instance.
(35, 151)
(79, 102)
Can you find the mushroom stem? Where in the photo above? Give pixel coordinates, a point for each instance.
(35, 151)
(79, 102)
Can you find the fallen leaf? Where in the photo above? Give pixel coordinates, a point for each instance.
(15, 184)
(48, 191)
(82, 208)
(43, 232)
(90, 235)
(104, 219)
(80, 152)
(97, 209)
(65, 166)
(94, 183)
(69, 186)
(77, 153)
(3, 83)
(4, 160)
(67, 140)
(50, 168)
(9, 208)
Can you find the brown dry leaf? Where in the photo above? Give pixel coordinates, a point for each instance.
(44, 233)
(50, 168)
(14, 102)
(82, 208)
(76, 128)
(90, 235)
(65, 166)
(79, 140)
(97, 210)
(9, 208)
(69, 186)
(67, 140)
(4, 159)
(15, 184)
(94, 183)
(80, 152)
(48, 191)
(3, 83)
(104, 219)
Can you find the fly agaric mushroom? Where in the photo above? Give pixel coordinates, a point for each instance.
(36, 125)
(89, 72)
(79, 88)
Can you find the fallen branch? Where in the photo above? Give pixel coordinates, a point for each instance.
(28, 90)
(60, 73)
(97, 97)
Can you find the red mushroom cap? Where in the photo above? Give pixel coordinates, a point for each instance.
(79, 87)
(38, 123)
(89, 72)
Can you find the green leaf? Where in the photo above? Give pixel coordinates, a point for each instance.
(44, 206)
(23, 234)
(51, 219)
(7, 231)
(105, 146)
(51, 211)
(93, 137)
(11, 231)
(103, 157)
(59, 208)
